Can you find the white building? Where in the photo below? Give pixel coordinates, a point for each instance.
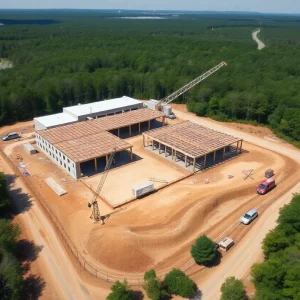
(84, 112)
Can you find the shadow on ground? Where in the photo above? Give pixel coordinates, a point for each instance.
(26, 251)
(34, 286)
(198, 295)
(22, 202)
(215, 262)
(137, 295)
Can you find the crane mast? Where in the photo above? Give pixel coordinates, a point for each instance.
(94, 203)
(191, 84)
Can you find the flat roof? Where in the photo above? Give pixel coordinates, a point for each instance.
(92, 146)
(191, 139)
(101, 106)
(56, 119)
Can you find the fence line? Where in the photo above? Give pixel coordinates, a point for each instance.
(134, 280)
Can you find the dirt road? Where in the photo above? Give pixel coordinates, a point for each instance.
(240, 259)
(279, 148)
(55, 262)
(260, 44)
(70, 285)
(238, 262)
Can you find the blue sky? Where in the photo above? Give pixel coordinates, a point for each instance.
(276, 6)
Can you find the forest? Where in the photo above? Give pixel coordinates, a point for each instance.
(86, 56)
(11, 280)
(278, 277)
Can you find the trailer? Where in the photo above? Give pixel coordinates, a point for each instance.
(30, 149)
(143, 189)
(226, 244)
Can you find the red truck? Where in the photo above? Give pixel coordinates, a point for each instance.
(265, 186)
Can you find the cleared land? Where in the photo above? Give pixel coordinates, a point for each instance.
(120, 181)
(74, 211)
(260, 44)
(5, 63)
(158, 230)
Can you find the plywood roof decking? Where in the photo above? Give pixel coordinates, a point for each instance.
(69, 132)
(92, 146)
(80, 129)
(86, 140)
(192, 139)
(127, 119)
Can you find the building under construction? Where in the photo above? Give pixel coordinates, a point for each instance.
(85, 135)
(87, 145)
(192, 146)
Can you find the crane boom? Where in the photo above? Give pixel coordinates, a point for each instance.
(95, 210)
(191, 84)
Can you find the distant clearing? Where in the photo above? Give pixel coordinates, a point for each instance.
(5, 63)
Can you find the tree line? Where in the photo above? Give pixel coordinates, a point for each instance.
(81, 59)
(17, 282)
(11, 279)
(278, 277)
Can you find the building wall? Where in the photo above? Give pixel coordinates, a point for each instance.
(104, 113)
(38, 125)
(58, 157)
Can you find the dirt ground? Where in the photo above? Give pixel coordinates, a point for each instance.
(257, 131)
(119, 182)
(155, 231)
(5, 63)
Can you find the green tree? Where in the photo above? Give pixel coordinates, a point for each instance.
(292, 282)
(11, 280)
(178, 283)
(233, 289)
(278, 277)
(204, 250)
(200, 108)
(289, 217)
(120, 291)
(4, 199)
(275, 241)
(153, 286)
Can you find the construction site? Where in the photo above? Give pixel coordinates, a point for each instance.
(133, 186)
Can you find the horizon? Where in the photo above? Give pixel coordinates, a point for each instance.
(120, 10)
(238, 6)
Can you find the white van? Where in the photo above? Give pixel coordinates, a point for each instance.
(249, 216)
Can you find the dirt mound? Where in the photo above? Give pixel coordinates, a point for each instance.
(157, 232)
(116, 249)
(137, 248)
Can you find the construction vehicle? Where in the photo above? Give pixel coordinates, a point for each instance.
(162, 105)
(94, 203)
